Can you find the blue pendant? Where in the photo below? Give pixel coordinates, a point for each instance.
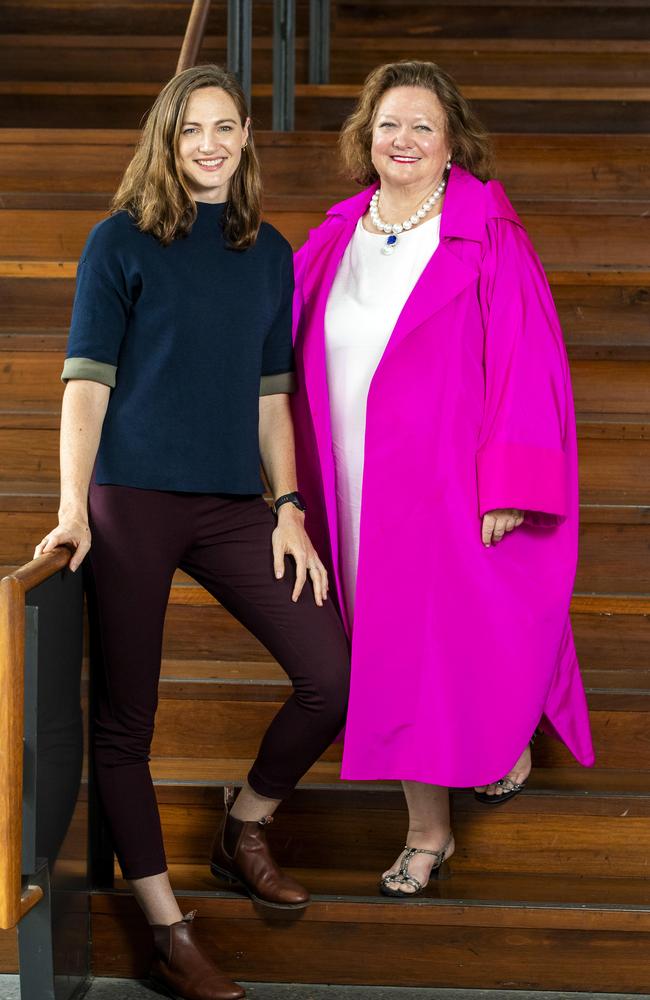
(389, 245)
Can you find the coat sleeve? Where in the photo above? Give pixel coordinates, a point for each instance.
(528, 425)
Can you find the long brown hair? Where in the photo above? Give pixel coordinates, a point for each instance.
(469, 141)
(153, 190)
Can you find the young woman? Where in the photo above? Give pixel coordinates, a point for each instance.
(178, 371)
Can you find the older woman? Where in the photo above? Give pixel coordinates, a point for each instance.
(437, 447)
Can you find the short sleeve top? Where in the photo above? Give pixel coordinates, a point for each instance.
(187, 336)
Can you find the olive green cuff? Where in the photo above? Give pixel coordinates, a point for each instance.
(284, 382)
(86, 368)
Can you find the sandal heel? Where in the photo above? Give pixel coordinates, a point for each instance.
(442, 872)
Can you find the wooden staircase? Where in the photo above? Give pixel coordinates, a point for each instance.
(552, 891)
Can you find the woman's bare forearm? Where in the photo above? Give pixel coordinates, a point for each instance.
(277, 448)
(82, 417)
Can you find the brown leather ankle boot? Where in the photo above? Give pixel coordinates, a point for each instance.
(182, 970)
(241, 855)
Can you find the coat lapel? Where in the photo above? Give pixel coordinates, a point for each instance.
(327, 246)
(447, 273)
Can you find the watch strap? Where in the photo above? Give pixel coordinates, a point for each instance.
(295, 498)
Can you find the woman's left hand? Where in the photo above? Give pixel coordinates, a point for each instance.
(291, 539)
(497, 522)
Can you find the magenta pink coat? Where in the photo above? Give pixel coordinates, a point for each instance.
(458, 651)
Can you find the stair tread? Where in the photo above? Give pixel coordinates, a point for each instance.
(216, 772)
(341, 42)
(569, 206)
(187, 593)
(510, 92)
(263, 671)
(626, 274)
(584, 344)
(248, 681)
(498, 889)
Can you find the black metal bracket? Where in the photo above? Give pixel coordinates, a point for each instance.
(284, 65)
(240, 33)
(319, 41)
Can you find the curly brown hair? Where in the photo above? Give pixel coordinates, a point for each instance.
(153, 190)
(469, 141)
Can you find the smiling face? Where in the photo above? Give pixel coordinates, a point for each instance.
(409, 138)
(210, 143)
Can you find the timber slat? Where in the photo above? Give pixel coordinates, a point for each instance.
(560, 238)
(613, 554)
(222, 726)
(433, 20)
(472, 62)
(604, 835)
(91, 161)
(552, 110)
(519, 21)
(30, 379)
(479, 942)
(612, 471)
(603, 310)
(182, 779)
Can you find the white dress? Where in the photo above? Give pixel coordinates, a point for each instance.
(367, 296)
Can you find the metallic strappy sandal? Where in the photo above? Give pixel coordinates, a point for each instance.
(510, 787)
(440, 870)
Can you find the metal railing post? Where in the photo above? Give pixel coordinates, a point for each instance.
(284, 65)
(319, 41)
(240, 33)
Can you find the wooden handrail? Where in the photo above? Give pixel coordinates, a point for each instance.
(14, 901)
(194, 33)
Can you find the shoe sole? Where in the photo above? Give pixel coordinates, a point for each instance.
(497, 800)
(440, 874)
(165, 991)
(227, 876)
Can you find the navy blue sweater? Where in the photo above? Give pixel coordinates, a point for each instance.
(187, 336)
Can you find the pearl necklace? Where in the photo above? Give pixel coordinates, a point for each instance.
(393, 231)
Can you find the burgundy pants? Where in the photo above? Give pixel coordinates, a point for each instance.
(139, 537)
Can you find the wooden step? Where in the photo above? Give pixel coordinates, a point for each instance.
(615, 391)
(229, 720)
(174, 776)
(471, 61)
(613, 542)
(84, 162)
(608, 628)
(600, 815)
(613, 470)
(614, 676)
(426, 19)
(261, 672)
(561, 237)
(110, 17)
(529, 942)
(549, 109)
(603, 310)
(498, 19)
(604, 835)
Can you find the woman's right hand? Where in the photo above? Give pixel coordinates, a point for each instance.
(72, 531)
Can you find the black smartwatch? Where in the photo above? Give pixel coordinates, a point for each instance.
(294, 498)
